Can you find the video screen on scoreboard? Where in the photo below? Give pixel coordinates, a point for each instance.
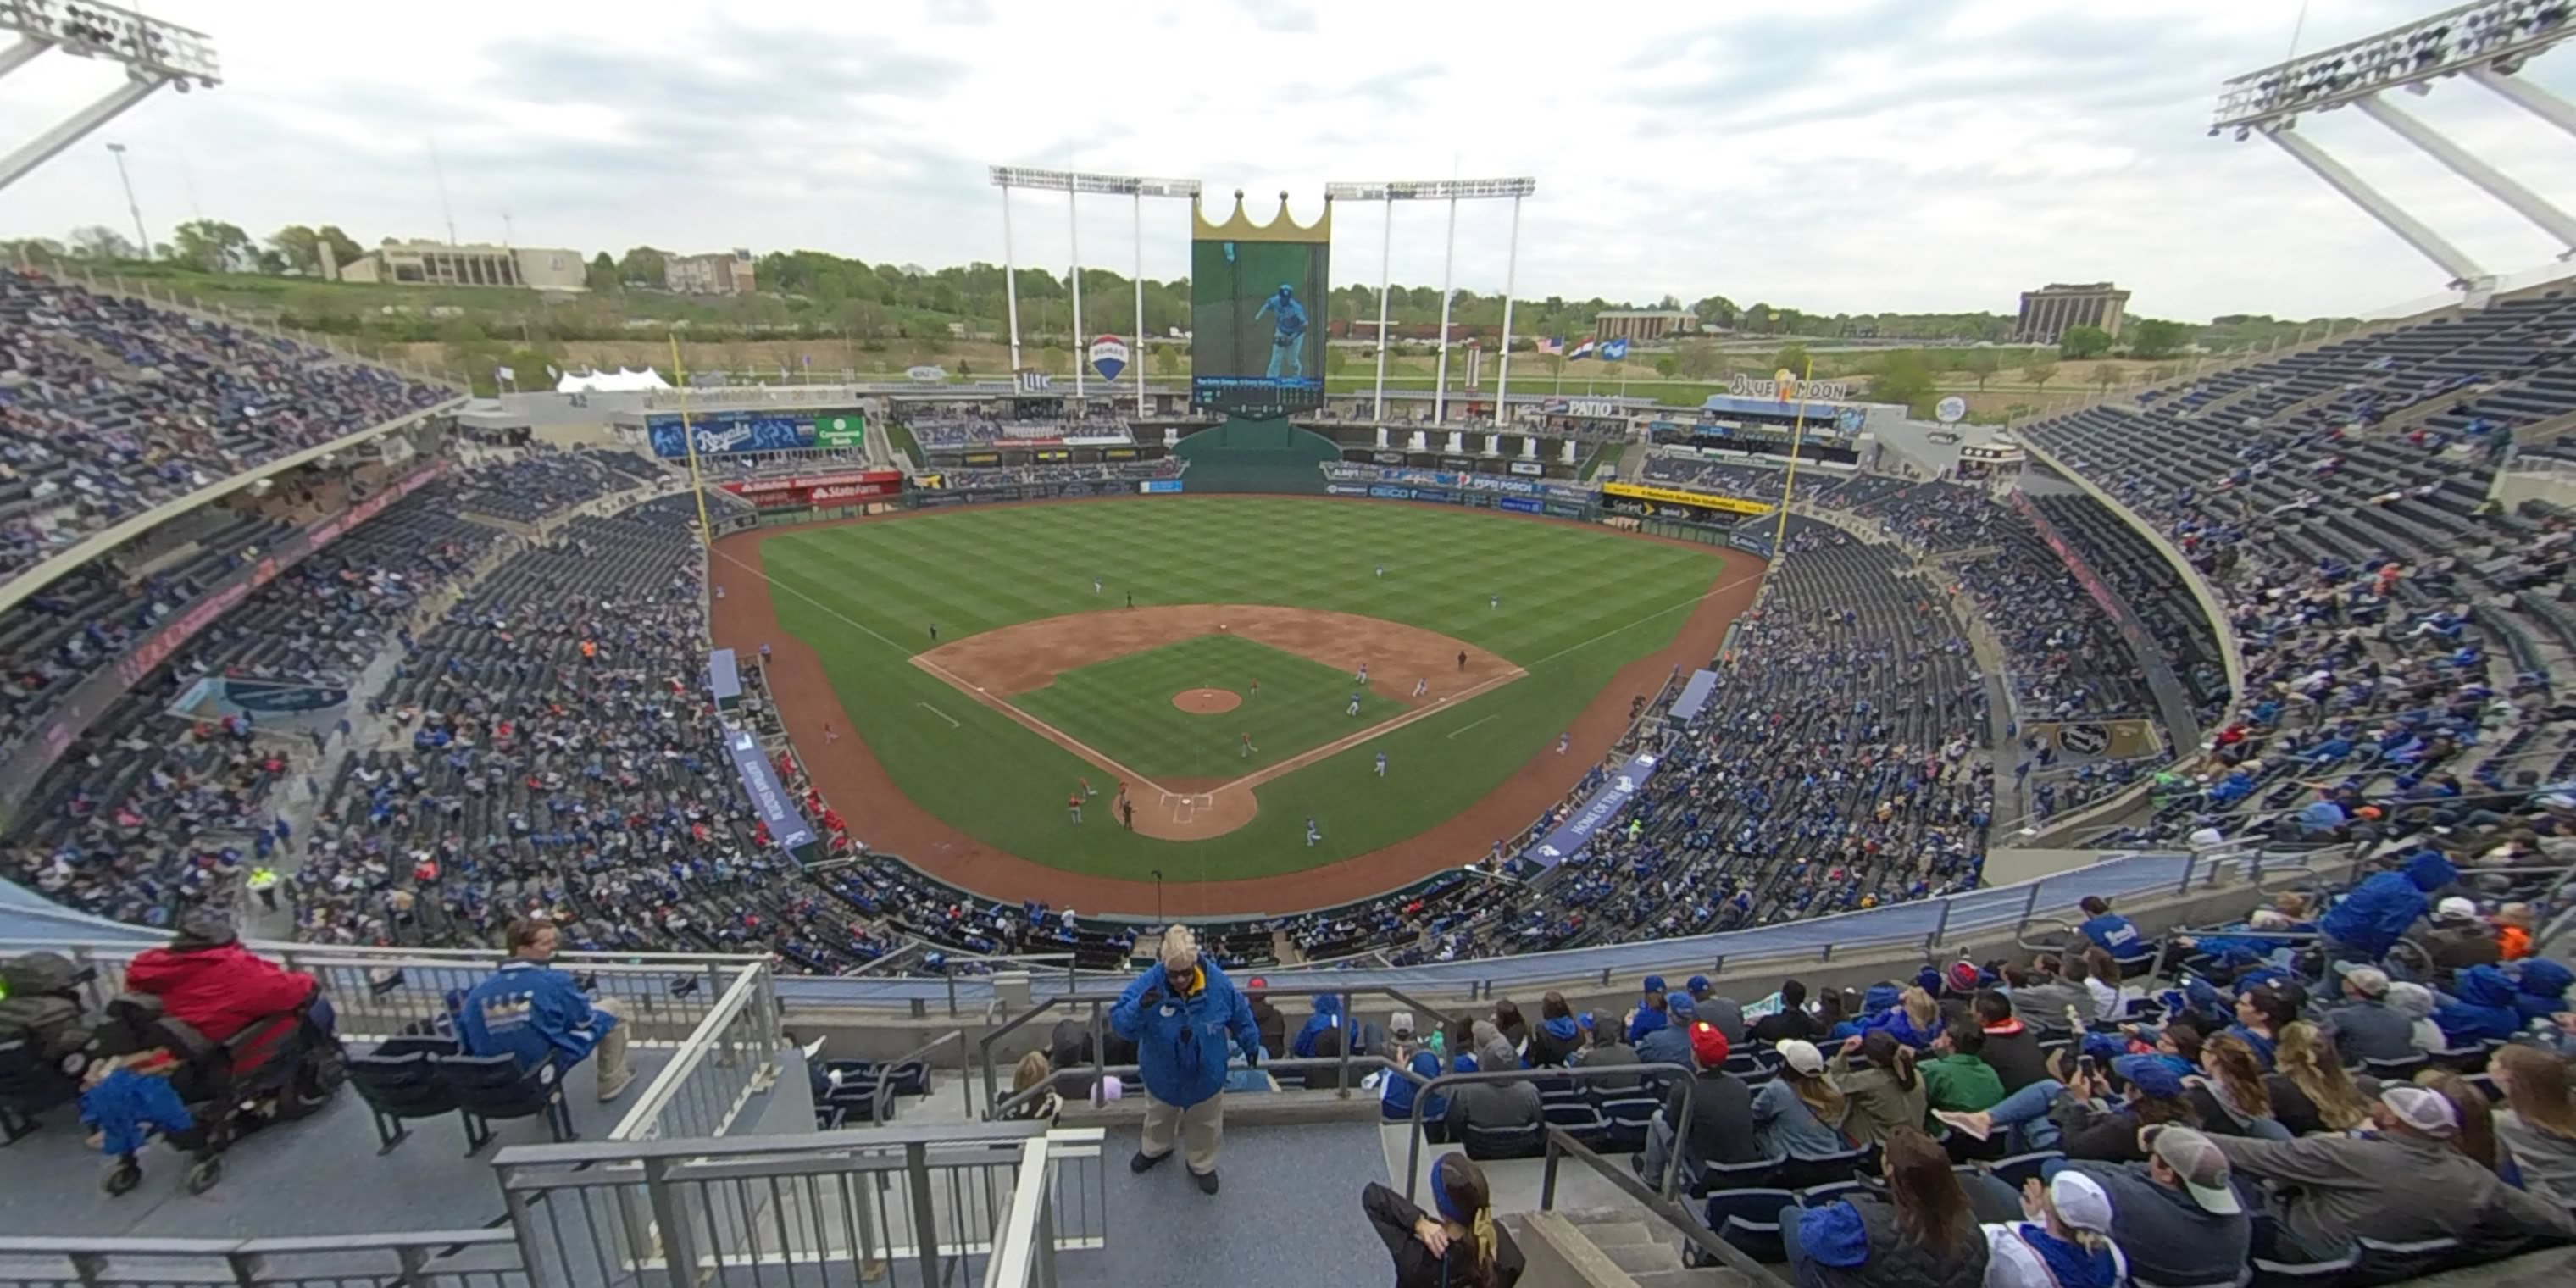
(1257, 314)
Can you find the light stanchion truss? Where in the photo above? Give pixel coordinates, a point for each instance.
(1073, 184)
(154, 53)
(1452, 191)
(2488, 42)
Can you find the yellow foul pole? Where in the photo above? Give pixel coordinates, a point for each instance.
(1797, 437)
(689, 436)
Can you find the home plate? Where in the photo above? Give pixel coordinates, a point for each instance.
(1185, 806)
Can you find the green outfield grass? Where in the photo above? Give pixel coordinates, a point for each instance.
(1576, 605)
(1110, 707)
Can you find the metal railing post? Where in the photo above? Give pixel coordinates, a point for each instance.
(679, 1243)
(925, 1217)
(1099, 1049)
(2190, 865)
(1932, 944)
(1547, 1177)
(1350, 1038)
(2029, 909)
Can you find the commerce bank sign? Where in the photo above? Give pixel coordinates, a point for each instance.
(1784, 386)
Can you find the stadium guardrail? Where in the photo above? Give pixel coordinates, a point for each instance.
(741, 1208)
(486, 1258)
(1812, 939)
(730, 1057)
(1561, 1146)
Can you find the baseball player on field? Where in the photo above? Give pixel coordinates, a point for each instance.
(1422, 686)
(1381, 764)
(1355, 705)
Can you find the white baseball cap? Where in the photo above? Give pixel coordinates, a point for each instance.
(2457, 906)
(2081, 1202)
(1802, 1056)
(2422, 1108)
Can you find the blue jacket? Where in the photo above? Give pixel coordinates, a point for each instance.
(124, 1103)
(2113, 933)
(1181, 1041)
(2379, 910)
(1396, 1101)
(1328, 1015)
(534, 1012)
(1649, 1019)
(2544, 989)
(2480, 1008)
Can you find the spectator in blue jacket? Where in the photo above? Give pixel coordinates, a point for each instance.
(1670, 1043)
(530, 1010)
(1395, 1101)
(2480, 1008)
(1327, 1017)
(2109, 930)
(1181, 1013)
(2543, 984)
(2366, 923)
(1650, 1013)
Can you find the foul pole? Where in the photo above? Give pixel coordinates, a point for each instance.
(688, 436)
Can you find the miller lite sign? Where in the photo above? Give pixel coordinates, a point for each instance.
(1109, 356)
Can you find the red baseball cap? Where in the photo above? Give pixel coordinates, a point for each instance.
(1708, 1044)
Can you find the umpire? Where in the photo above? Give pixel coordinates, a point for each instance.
(1183, 1014)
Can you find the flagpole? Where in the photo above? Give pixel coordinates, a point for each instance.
(688, 436)
(1797, 436)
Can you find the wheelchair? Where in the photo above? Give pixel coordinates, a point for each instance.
(276, 1069)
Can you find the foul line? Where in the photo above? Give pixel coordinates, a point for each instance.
(1039, 727)
(1340, 745)
(1465, 727)
(829, 611)
(952, 720)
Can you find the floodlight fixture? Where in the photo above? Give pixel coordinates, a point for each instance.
(1074, 183)
(155, 53)
(1452, 191)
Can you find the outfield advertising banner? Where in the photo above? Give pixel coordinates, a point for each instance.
(841, 431)
(1257, 300)
(1159, 487)
(728, 431)
(1520, 505)
(1576, 829)
(1109, 356)
(1750, 543)
(796, 492)
(1685, 496)
(787, 828)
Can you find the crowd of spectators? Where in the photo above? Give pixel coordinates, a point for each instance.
(938, 431)
(110, 406)
(2274, 1102)
(971, 478)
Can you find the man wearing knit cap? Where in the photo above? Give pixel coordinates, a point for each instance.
(2366, 1026)
(1183, 1014)
(2406, 1183)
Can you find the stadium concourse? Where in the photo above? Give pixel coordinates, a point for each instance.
(517, 640)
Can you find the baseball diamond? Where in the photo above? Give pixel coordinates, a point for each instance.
(1037, 684)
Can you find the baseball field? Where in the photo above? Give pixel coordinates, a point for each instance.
(1185, 670)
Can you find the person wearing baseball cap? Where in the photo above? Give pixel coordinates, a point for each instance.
(1649, 1015)
(2066, 1243)
(2175, 1215)
(1720, 1128)
(2405, 1183)
(2460, 938)
(1716, 1008)
(2366, 1025)
(1800, 1111)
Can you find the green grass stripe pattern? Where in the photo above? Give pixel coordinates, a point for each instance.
(1112, 707)
(1574, 606)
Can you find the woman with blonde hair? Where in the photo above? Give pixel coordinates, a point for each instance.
(1457, 1244)
(2309, 1089)
(1035, 1070)
(2538, 1122)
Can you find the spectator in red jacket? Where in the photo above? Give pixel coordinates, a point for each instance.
(209, 982)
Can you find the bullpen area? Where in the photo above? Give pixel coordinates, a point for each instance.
(1082, 701)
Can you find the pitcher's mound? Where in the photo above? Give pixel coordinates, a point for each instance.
(1206, 702)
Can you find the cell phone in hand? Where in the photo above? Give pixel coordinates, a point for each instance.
(2085, 1067)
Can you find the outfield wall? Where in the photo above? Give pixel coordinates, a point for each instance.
(1268, 456)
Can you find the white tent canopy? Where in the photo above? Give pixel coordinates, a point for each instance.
(601, 382)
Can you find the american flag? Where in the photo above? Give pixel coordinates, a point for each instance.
(1551, 344)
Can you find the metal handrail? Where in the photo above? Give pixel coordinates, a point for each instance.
(739, 996)
(965, 1064)
(1022, 1242)
(109, 1261)
(1365, 1064)
(1562, 1144)
(1570, 1073)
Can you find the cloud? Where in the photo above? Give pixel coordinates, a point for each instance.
(1832, 155)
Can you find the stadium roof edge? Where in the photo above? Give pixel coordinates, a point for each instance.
(27, 583)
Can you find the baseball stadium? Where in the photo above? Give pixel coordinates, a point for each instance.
(1640, 796)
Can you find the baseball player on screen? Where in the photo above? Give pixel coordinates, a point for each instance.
(1288, 334)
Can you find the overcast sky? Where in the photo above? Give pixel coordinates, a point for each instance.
(1832, 155)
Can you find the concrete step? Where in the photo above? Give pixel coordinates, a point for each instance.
(1711, 1277)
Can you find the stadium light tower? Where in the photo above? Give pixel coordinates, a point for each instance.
(1452, 191)
(155, 53)
(2489, 41)
(1073, 185)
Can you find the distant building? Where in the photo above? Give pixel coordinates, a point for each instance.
(722, 273)
(1644, 326)
(439, 264)
(2047, 312)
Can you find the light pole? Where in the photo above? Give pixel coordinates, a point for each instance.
(142, 239)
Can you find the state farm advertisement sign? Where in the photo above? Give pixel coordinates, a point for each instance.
(803, 491)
